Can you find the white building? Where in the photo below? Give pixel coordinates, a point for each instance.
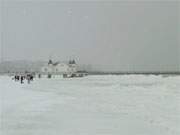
(59, 68)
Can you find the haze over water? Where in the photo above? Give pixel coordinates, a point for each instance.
(110, 36)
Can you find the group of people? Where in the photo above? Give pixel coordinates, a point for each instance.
(21, 78)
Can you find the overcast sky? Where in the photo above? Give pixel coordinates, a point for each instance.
(117, 36)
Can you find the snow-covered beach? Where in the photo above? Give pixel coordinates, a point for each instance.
(93, 105)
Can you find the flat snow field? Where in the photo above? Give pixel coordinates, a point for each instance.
(93, 105)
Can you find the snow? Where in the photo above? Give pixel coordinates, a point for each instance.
(93, 105)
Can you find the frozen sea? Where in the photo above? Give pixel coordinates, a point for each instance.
(93, 105)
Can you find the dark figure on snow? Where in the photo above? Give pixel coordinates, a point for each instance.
(22, 79)
(16, 78)
(31, 77)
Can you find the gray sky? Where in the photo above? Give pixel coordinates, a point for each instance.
(116, 36)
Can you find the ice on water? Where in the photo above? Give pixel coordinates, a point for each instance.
(93, 105)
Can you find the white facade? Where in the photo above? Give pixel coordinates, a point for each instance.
(59, 68)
